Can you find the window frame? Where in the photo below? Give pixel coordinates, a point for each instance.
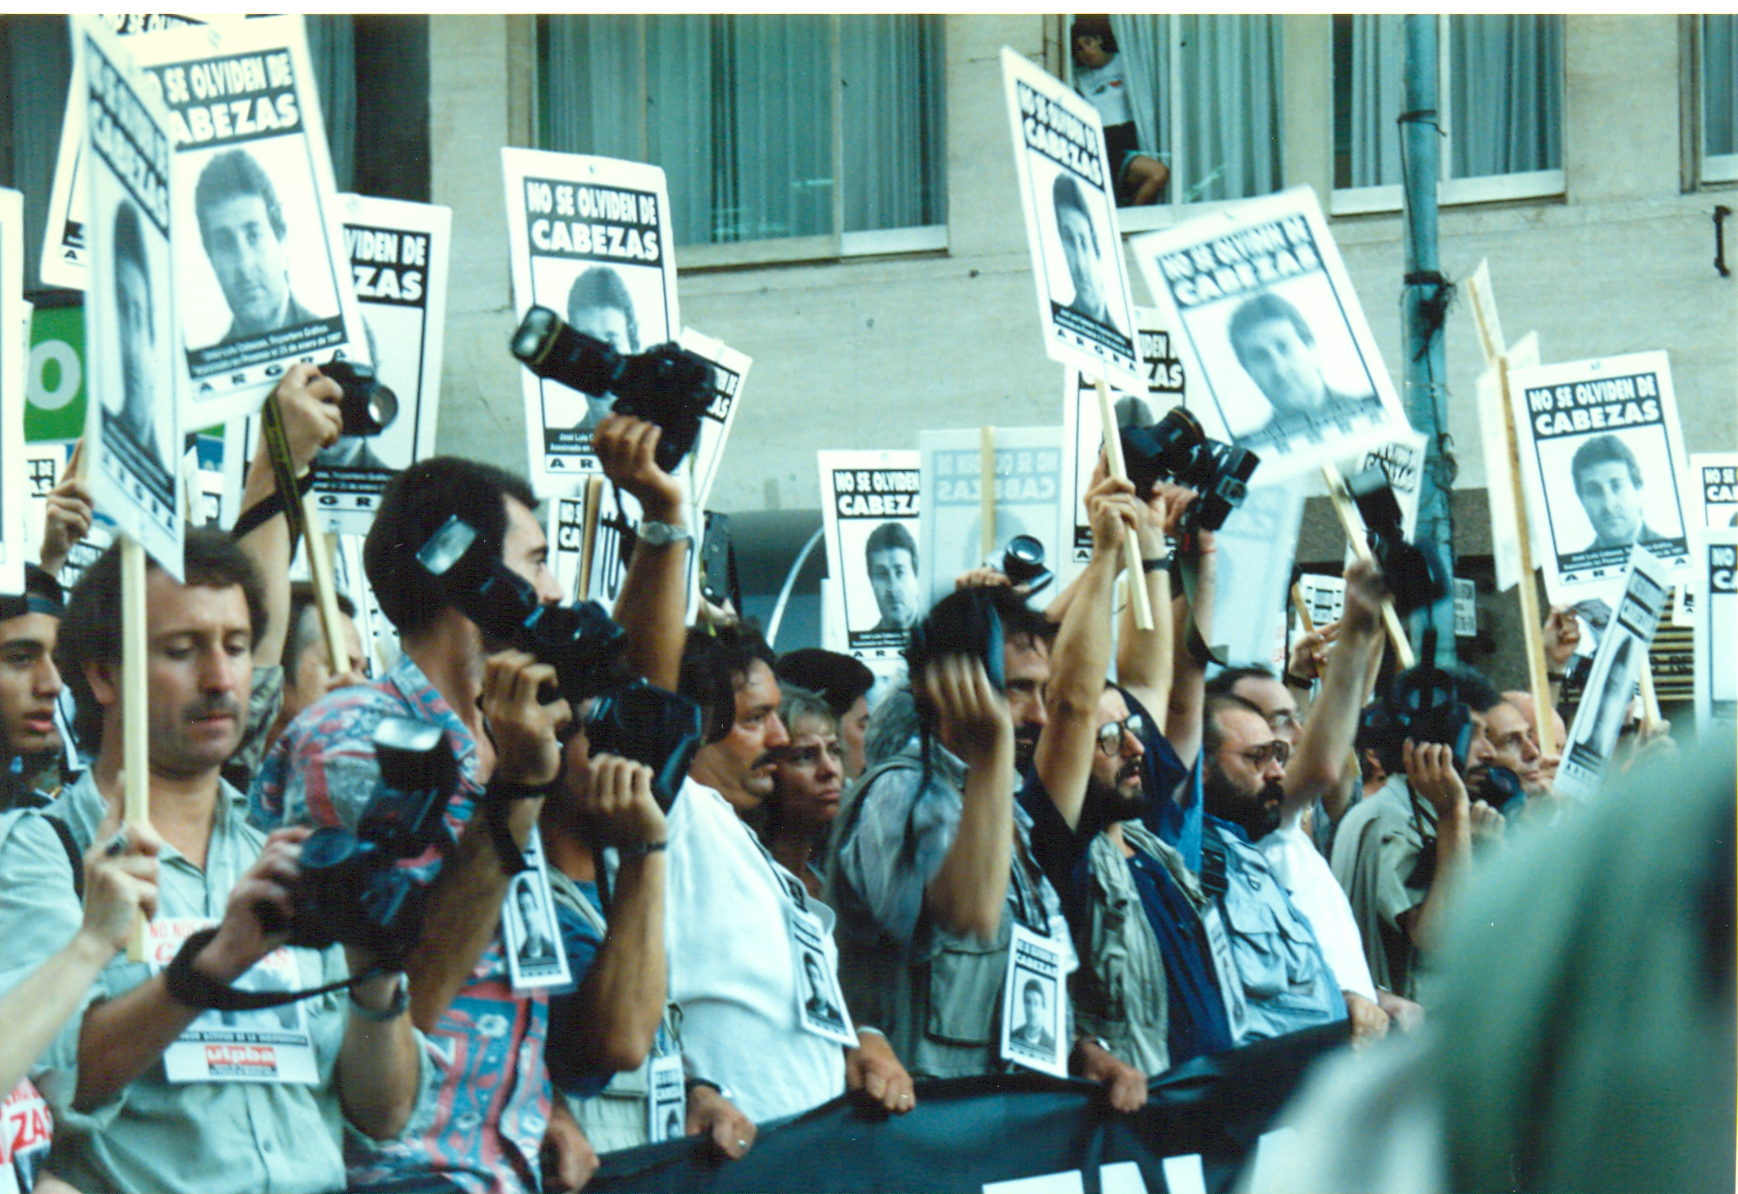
(1450, 191)
(1701, 169)
(838, 245)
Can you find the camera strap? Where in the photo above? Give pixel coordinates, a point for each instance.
(189, 987)
(283, 469)
(1188, 557)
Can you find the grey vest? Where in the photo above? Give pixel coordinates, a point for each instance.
(940, 1001)
(1120, 991)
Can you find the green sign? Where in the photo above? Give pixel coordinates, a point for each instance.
(55, 395)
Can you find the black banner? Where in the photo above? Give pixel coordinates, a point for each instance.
(969, 1131)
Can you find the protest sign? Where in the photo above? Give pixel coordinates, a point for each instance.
(729, 370)
(1611, 682)
(1281, 359)
(1716, 643)
(133, 427)
(1602, 459)
(14, 381)
(1083, 430)
(1714, 476)
(1323, 596)
(65, 255)
(1252, 578)
(1027, 495)
(871, 514)
(1402, 458)
(590, 239)
(1068, 192)
(263, 279)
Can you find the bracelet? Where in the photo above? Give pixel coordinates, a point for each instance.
(511, 857)
(1157, 564)
(504, 790)
(187, 986)
(268, 508)
(642, 849)
(661, 534)
(392, 1011)
(1293, 680)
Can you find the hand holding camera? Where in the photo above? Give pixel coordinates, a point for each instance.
(627, 448)
(262, 909)
(310, 404)
(618, 806)
(972, 717)
(526, 729)
(1365, 593)
(1431, 772)
(1175, 449)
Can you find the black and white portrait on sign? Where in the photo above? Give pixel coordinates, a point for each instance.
(1033, 1031)
(538, 942)
(872, 530)
(816, 1004)
(535, 954)
(1257, 296)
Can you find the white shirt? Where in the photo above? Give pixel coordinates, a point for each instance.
(731, 968)
(1310, 882)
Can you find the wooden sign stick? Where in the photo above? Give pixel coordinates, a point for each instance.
(325, 586)
(135, 707)
(1137, 581)
(1303, 609)
(1650, 701)
(1354, 528)
(987, 491)
(588, 533)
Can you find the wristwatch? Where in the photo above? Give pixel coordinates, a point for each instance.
(662, 534)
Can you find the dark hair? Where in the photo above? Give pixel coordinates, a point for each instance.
(230, 174)
(715, 665)
(1472, 688)
(1065, 192)
(601, 286)
(890, 536)
(1019, 620)
(129, 246)
(1229, 678)
(1602, 449)
(1092, 26)
(302, 598)
(91, 630)
(416, 504)
(839, 679)
(1265, 307)
(1212, 736)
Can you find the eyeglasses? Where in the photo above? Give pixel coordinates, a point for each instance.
(1281, 720)
(1276, 751)
(1111, 732)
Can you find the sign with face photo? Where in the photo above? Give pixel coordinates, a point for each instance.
(1035, 1005)
(1067, 191)
(871, 518)
(1716, 641)
(1602, 460)
(590, 239)
(1714, 476)
(133, 429)
(260, 262)
(1028, 500)
(1261, 307)
(536, 954)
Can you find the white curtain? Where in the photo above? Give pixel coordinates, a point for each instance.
(1225, 142)
(1378, 64)
(1507, 110)
(1719, 72)
(738, 110)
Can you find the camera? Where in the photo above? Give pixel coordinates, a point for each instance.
(1023, 564)
(965, 622)
(1414, 576)
(352, 888)
(367, 406)
(666, 385)
(1176, 449)
(1424, 705)
(649, 725)
(582, 642)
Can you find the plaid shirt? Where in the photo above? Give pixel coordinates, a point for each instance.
(493, 1098)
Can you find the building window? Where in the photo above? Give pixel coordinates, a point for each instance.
(782, 136)
(1205, 93)
(1717, 93)
(1500, 104)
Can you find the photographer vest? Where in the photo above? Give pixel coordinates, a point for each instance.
(939, 1000)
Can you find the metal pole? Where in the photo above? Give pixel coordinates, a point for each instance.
(1423, 311)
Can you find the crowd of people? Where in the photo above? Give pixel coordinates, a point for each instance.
(1064, 844)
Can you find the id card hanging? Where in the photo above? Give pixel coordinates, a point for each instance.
(1225, 965)
(1035, 1004)
(536, 955)
(820, 1003)
(667, 1099)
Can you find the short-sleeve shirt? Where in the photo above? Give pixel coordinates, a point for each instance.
(493, 1102)
(1376, 852)
(582, 941)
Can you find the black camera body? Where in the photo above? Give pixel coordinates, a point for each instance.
(368, 407)
(1424, 705)
(581, 642)
(648, 725)
(965, 622)
(1414, 576)
(666, 384)
(1175, 449)
(353, 889)
(1023, 564)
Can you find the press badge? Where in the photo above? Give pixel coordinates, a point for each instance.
(1230, 981)
(26, 1127)
(1035, 1004)
(268, 1044)
(667, 1106)
(536, 955)
(820, 1004)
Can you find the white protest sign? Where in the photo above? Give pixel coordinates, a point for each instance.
(590, 239)
(65, 254)
(132, 422)
(262, 274)
(1402, 459)
(1323, 596)
(1082, 428)
(1714, 477)
(1716, 641)
(1280, 358)
(1252, 578)
(1068, 192)
(14, 382)
(1622, 654)
(729, 371)
(1028, 500)
(871, 515)
(1602, 459)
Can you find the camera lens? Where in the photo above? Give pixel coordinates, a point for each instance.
(532, 339)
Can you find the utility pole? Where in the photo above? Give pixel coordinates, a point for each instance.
(1424, 309)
